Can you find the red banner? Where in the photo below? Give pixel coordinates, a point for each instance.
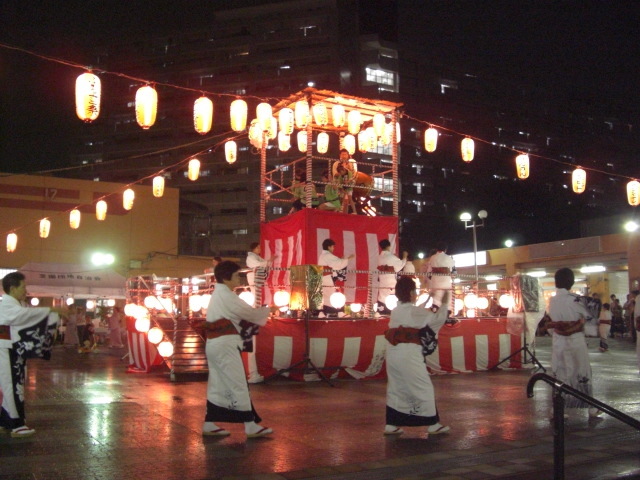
(142, 354)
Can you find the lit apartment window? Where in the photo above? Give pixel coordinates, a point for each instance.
(418, 187)
(241, 231)
(417, 167)
(447, 84)
(379, 76)
(307, 29)
(383, 184)
(277, 210)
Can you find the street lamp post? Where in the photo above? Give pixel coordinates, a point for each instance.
(469, 222)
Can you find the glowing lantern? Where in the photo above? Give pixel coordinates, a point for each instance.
(506, 301)
(522, 165)
(426, 299)
(143, 324)
(194, 169)
(155, 335)
(129, 309)
(165, 349)
(579, 179)
(203, 115)
(35, 301)
(458, 304)
(302, 114)
(151, 302)
(633, 193)
(231, 151)
(248, 297)
(238, 115)
(74, 218)
(272, 131)
(387, 134)
(263, 113)
(372, 139)
(337, 299)
(471, 300)
(12, 242)
(45, 227)
(127, 199)
(323, 142)
(482, 303)
(70, 301)
(398, 135)
(285, 121)
(471, 313)
(88, 97)
(281, 298)
(158, 186)
(284, 141)
(430, 139)
(356, 307)
(320, 114)
(353, 122)
(338, 114)
(467, 146)
(379, 124)
(91, 304)
(391, 302)
(302, 141)
(195, 303)
(363, 141)
(349, 142)
(205, 300)
(101, 210)
(146, 106)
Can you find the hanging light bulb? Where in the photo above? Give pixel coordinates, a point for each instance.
(74, 218)
(379, 124)
(285, 121)
(230, 151)
(302, 113)
(302, 141)
(349, 142)
(88, 91)
(363, 141)
(146, 106)
(263, 113)
(194, 169)
(45, 227)
(127, 199)
(353, 122)
(284, 142)
(430, 139)
(238, 115)
(633, 193)
(203, 115)
(522, 166)
(467, 146)
(320, 114)
(579, 180)
(12, 242)
(323, 142)
(101, 210)
(338, 116)
(158, 186)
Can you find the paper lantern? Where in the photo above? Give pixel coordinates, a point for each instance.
(302, 114)
(127, 199)
(398, 135)
(470, 300)
(70, 301)
(285, 121)
(379, 124)
(263, 114)
(284, 142)
(372, 139)
(458, 304)
(146, 106)
(143, 324)
(387, 135)
(91, 305)
(74, 218)
(337, 299)
(323, 142)
(338, 116)
(203, 115)
(155, 335)
(35, 301)
(206, 299)
(633, 193)
(356, 307)
(248, 297)
(430, 139)
(579, 180)
(151, 302)
(391, 301)
(505, 301)
(101, 210)
(193, 171)
(482, 303)
(426, 299)
(302, 141)
(363, 141)
(238, 113)
(354, 120)
(272, 131)
(129, 309)
(320, 114)
(88, 91)
(45, 227)
(158, 186)
(195, 303)
(12, 242)
(522, 166)
(165, 349)
(281, 298)
(230, 151)
(467, 146)
(349, 142)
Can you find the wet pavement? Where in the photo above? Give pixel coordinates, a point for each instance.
(95, 421)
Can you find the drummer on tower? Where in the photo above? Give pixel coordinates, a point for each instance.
(351, 168)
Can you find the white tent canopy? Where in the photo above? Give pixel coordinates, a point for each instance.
(79, 281)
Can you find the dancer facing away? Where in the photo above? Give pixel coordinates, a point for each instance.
(228, 397)
(410, 396)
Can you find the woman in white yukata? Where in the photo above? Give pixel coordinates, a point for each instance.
(410, 396)
(228, 397)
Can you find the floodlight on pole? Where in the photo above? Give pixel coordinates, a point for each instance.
(469, 222)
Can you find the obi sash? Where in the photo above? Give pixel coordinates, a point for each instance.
(440, 270)
(386, 269)
(566, 328)
(327, 271)
(403, 335)
(219, 328)
(5, 332)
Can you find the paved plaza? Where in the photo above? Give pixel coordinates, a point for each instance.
(95, 421)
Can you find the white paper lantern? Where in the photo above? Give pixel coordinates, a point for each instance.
(158, 186)
(193, 171)
(74, 218)
(522, 166)
(129, 309)
(467, 148)
(579, 180)
(430, 140)
(101, 210)
(458, 305)
(230, 151)
(143, 324)
(248, 297)
(264, 114)
(12, 242)
(379, 124)
(195, 303)
(349, 142)
(284, 142)
(35, 301)
(633, 193)
(338, 116)
(482, 303)
(88, 92)
(45, 227)
(391, 301)
(155, 335)
(356, 307)
(281, 298)
(323, 142)
(354, 119)
(238, 112)
(165, 349)
(286, 121)
(302, 113)
(505, 301)
(320, 114)
(203, 115)
(470, 300)
(302, 141)
(146, 106)
(337, 300)
(128, 196)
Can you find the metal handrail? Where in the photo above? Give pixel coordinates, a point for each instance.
(558, 415)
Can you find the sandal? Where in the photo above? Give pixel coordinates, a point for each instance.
(22, 432)
(218, 432)
(260, 433)
(440, 429)
(395, 431)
